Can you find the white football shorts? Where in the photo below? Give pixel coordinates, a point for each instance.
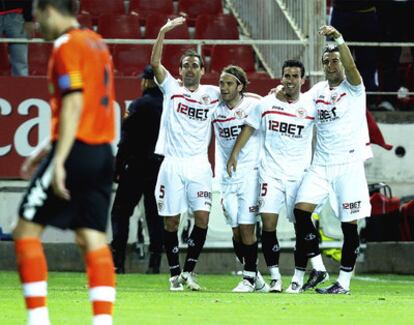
(276, 194)
(239, 201)
(346, 181)
(182, 185)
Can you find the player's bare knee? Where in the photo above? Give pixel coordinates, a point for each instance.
(248, 234)
(308, 207)
(90, 239)
(236, 234)
(25, 229)
(201, 219)
(269, 221)
(171, 223)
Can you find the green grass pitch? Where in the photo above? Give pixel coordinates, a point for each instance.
(145, 299)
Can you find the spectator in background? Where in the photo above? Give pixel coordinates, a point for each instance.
(136, 172)
(16, 22)
(358, 22)
(395, 20)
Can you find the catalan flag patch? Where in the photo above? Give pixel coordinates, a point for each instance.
(72, 80)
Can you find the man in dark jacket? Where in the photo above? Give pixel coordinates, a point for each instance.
(16, 22)
(136, 172)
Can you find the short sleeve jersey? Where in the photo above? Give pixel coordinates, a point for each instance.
(81, 61)
(185, 129)
(287, 136)
(342, 129)
(228, 124)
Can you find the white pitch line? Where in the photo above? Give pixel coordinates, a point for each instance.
(370, 279)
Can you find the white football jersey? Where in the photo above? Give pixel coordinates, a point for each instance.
(228, 124)
(287, 136)
(342, 129)
(185, 129)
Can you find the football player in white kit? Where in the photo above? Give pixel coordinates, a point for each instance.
(342, 145)
(287, 128)
(240, 191)
(185, 177)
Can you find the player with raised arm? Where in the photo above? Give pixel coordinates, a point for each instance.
(185, 177)
(239, 192)
(287, 128)
(71, 188)
(342, 145)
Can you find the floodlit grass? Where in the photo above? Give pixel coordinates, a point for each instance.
(145, 299)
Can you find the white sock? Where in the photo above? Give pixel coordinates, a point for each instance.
(317, 263)
(38, 316)
(274, 272)
(298, 276)
(344, 279)
(102, 320)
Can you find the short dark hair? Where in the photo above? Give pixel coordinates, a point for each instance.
(65, 7)
(191, 53)
(330, 49)
(240, 75)
(294, 64)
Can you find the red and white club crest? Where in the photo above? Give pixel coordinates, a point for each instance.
(301, 112)
(334, 97)
(206, 99)
(240, 114)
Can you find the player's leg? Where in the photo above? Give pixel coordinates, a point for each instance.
(353, 204)
(100, 272)
(171, 202)
(271, 201)
(198, 190)
(38, 208)
(91, 174)
(32, 268)
(127, 196)
(313, 190)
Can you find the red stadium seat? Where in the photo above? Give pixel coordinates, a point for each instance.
(148, 8)
(119, 26)
(130, 60)
(100, 7)
(172, 55)
(192, 8)
(85, 20)
(155, 22)
(38, 57)
(241, 55)
(215, 27)
(4, 60)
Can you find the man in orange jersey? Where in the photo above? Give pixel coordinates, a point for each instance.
(72, 184)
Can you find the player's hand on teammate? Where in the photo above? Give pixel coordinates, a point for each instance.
(58, 181)
(329, 31)
(231, 165)
(172, 23)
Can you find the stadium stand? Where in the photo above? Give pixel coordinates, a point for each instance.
(155, 22)
(193, 8)
(4, 60)
(119, 26)
(38, 55)
(219, 26)
(100, 7)
(150, 8)
(129, 59)
(242, 55)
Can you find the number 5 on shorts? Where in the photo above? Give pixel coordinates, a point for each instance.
(264, 189)
(162, 192)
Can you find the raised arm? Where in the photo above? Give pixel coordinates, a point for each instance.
(241, 140)
(351, 72)
(159, 70)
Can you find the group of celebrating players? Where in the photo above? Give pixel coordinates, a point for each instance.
(266, 162)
